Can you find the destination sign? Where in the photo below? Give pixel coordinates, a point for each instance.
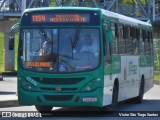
(61, 18)
(38, 64)
(50, 18)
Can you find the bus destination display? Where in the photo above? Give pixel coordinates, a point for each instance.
(61, 18)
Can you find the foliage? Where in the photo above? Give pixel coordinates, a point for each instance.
(2, 51)
(132, 1)
(157, 55)
(157, 77)
(16, 49)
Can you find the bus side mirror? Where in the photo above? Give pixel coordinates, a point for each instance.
(109, 31)
(11, 43)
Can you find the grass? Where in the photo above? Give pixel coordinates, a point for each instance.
(2, 51)
(157, 77)
(16, 49)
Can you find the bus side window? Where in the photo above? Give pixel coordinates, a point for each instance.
(146, 42)
(121, 41)
(107, 55)
(142, 39)
(148, 50)
(114, 28)
(129, 49)
(135, 39)
(151, 44)
(138, 39)
(104, 40)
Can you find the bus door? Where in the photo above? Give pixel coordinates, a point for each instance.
(107, 94)
(132, 58)
(119, 59)
(132, 75)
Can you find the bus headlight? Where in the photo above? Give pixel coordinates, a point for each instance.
(91, 85)
(29, 87)
(88, 88)
(25, 85)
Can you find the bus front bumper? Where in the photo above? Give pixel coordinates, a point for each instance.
(92, 98)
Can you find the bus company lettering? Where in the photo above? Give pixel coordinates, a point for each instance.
(132, 68)
(31, 81)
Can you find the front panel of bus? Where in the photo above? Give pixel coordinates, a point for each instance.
(59, 58)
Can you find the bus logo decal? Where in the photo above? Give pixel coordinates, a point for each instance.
(132, 68)
(58, 89)
(31, 81)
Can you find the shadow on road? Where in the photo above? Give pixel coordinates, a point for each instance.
(148, 106)
(6, 93)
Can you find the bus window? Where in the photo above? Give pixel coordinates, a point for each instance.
(55, 40)
(60, 50)
(151, 44)
(142, 39)
(105, 36)
(135, 40)
(121, 40)
(107, 54)
(128, 40)
(114, 28)
(147, 43)
(138, 39)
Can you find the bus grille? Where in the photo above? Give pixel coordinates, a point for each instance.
(62, 89)
(58, 81)
(58, 97)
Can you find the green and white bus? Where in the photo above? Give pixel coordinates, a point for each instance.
(72, 56)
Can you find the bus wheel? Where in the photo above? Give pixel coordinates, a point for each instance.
(43, 109)
(139, 98)
(113, 106)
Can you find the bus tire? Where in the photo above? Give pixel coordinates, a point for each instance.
(139, 98)
(113, 106)
(43, 109)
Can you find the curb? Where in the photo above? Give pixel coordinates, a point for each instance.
(156, 82)
(9, 103)
(9, 73)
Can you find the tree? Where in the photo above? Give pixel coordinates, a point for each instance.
(157, 56)
(132, 1)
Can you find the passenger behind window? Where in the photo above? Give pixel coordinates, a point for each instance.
(135, 47)
(86, 43)
(90, 43)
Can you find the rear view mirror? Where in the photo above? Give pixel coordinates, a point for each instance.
(11, 43)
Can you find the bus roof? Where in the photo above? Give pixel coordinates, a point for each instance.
(60, 8)
(127, 20)
(120, 18)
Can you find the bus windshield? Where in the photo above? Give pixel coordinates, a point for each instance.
(60, 50)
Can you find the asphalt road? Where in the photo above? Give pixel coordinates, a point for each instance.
(8, 86)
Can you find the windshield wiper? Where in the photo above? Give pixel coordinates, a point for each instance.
(74, 42)
(44, 34)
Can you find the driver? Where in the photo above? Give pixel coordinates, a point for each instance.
(45, 52)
